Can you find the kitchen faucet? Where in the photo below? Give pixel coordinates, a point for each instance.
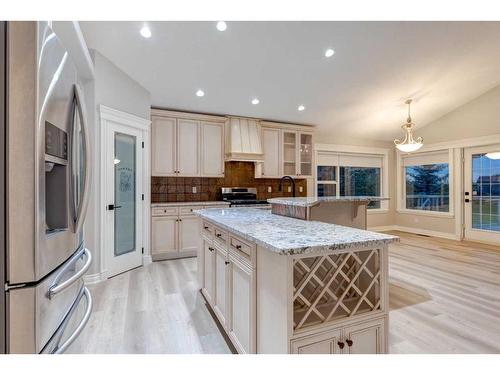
(287, 178)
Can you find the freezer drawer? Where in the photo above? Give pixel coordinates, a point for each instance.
(38, 313)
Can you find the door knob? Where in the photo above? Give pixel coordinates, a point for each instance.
(112, 207)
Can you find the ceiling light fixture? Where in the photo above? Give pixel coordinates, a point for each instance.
(329, 52)
(200, 93)
(145, 32)
(255, 101)
(409, 144)
(221, 26)
(301, 108)
(493, 155)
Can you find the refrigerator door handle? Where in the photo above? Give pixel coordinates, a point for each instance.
(57, 287)
(59, 349)
(81, 208)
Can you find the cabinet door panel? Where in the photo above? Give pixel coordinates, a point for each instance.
(188, 144)
(271, 144)
(322, 343)
(290, 153)
(305, 154)
(209, 272)
(242, 318)
(189, 233)
(212, 157)
(367, 338)
(163, 234)
(163, 146)
(220, 307)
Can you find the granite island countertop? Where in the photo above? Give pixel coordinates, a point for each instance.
(289, 236)
(197, 203)
(313, 201)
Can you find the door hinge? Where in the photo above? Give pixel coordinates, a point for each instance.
(142, 196)
(142, 250)
(142, 144)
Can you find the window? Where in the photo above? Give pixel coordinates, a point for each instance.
(426, 182)
(349, 175)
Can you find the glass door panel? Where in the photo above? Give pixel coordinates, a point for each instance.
(125, 194)
(306, 154)
(290, 153)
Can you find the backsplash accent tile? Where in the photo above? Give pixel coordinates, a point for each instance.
(241, 174)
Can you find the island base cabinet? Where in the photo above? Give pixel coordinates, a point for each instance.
(242, 307)
(368, 337)
(221, 285)
(208, 272)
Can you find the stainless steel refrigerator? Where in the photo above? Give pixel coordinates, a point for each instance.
(44, 304)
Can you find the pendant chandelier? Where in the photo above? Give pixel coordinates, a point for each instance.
(408, 144)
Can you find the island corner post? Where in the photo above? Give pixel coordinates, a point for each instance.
(330, 298)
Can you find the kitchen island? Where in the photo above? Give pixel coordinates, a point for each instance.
(283, 285)
(346, 210)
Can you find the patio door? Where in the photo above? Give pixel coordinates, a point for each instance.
(482, 193)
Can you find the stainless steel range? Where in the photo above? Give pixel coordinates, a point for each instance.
(243, 197)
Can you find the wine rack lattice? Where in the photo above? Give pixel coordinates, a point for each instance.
(332, 287)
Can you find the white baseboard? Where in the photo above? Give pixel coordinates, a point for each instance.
(425, 232)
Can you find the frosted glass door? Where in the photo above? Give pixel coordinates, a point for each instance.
(482, 193)
(305, 154)
(289, 153)
(125, 193)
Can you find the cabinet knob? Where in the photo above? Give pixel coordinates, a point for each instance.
(218, 234)
(349, 342)
(238, 247)
(340, 344)
(205, 227)
(226, 262)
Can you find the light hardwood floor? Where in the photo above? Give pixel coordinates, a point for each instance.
(444, 298)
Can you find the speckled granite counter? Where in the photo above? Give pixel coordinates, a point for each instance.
(313, 201)
(290, 236)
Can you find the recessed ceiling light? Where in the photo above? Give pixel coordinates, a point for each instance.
(200, 93)
(221, 26)
(255, 101)
(145, 32)
(329, 52)
(301, 108)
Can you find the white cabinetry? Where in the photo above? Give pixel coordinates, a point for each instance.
(164, 235)
(186, 144)
(221, 284)
(189, 233)
(208, 286)
(212, 149)
(271, 144)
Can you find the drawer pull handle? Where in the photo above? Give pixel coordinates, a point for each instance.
(211, 248)
(205, 227)
(226, 262)
(218, 234)
(349, 342)
(340, 344)
(238, 247)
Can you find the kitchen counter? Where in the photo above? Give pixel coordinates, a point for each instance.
(199, 203)
(288, 236)
(313, 201)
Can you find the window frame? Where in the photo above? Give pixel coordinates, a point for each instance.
(333, 150)
(401, 183)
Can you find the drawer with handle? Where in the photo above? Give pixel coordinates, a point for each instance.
(242, 248)
(220, 235)
(165, 211)
(188, 210)
(207, 228)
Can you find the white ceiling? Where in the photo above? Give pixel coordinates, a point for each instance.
(359, 91)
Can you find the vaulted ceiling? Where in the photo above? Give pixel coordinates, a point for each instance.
(357, 92)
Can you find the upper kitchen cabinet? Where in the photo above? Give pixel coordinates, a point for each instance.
(288, 150)
(186, 144)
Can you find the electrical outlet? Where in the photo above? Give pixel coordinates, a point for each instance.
(269, 189)
(194, 189)
(289, 189)
(301, 189)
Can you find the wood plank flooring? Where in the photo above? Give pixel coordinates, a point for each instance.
(444, 298)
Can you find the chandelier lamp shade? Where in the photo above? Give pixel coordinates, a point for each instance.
(408, 144)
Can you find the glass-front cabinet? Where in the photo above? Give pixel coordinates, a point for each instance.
(297, 153)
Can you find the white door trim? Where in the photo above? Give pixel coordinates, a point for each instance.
(108, 116)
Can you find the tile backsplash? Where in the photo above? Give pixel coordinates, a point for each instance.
(241, 174)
